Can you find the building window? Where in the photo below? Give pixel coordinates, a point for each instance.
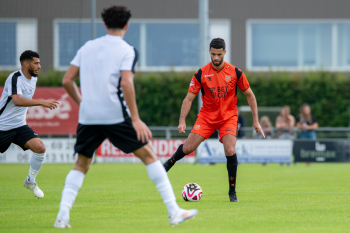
(172, 44)
(162, 44)
(297, 45)
(16, 36)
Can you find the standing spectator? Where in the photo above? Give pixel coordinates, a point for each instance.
(307, 123)
(240, 124)
(285, 123)
(266, 126)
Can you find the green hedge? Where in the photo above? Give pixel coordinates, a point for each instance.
(159, 95)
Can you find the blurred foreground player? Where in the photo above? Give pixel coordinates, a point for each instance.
(108, 110)
(15, 99)
(218, 81)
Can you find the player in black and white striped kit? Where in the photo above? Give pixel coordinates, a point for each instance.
(15, 99)
(108, 110)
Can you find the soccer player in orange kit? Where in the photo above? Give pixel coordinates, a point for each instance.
(218, 81)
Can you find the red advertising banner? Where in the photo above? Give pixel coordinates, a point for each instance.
(61, 121)
(163, 148)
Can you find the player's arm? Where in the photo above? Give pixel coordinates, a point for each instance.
(185, 108)
(69, 84)
(254, 107)
(128, 89)
(20, 101)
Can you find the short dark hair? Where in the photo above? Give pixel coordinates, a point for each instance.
(28, 55)
(217, 43)
(116, 16)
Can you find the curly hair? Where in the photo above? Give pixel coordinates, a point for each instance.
(28, 55)
(116, 17)
(217, 43)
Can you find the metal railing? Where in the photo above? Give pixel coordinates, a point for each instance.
(171, 132)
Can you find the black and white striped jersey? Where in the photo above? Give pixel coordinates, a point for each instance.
(12, 116)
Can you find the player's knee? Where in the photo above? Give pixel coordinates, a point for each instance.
(40, 148)
(230, 151)
(83, 167)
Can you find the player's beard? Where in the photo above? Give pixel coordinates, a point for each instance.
(217, 64)
(31, 72)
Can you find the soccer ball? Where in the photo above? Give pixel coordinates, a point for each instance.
(192, 192)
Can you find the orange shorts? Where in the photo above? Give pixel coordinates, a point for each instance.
(205, 129)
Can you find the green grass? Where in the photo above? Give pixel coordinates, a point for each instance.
(120, 198)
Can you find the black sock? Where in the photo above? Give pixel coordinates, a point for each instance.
(232, 171)
(179, 154)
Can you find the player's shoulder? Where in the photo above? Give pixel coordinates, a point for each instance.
(234, 69)
(206, 68)
(14, 75)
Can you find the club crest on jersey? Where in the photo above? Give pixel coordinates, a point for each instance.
(228, 78)
(197, 127)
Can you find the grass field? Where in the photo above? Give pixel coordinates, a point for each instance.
(120, 198)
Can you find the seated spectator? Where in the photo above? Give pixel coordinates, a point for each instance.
(240, 123)
(266, 126)
(307, 123)
(285, 123)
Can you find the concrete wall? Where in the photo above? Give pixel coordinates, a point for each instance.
(238, 11)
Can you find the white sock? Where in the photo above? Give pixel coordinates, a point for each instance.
(36, 162)
(74, 181)
(158, 175)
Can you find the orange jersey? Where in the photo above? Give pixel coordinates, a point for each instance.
(219, 91)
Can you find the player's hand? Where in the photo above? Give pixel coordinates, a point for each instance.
(258, 129)
(51, 104)
(181, 128)
(142, 131)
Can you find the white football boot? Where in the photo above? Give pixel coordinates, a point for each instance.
(59, 223)
(182, 215)
(34, 187)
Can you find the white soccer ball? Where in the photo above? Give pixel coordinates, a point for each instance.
(192, 192)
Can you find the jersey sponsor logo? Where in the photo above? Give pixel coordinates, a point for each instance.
(197, 127)
(208, 75)
(220, 92)
(228, 78)
(213, 92)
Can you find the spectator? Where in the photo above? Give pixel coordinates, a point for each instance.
(240, 124)
(307, 123)
(266, 126)
(285, 123)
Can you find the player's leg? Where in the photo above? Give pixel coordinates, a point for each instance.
(37, 159)
(89, 138)
(124, 137)
(190, 145)
(6, 139)
(229, 142)
(201, 131)
(159, 177)
(228, 133)
(26, 138)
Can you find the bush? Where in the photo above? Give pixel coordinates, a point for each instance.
(159, 95)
